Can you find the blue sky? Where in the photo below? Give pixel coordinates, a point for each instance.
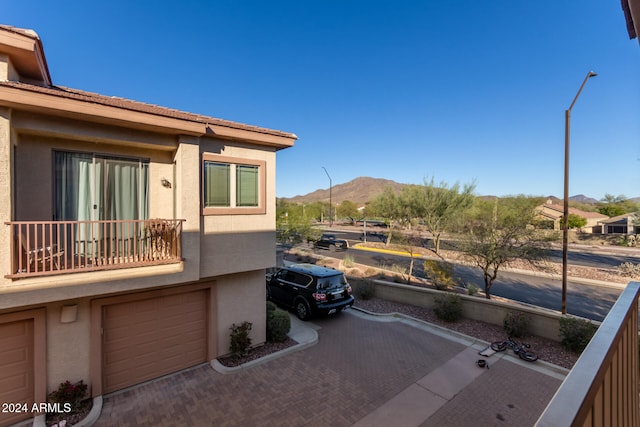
(460, 91)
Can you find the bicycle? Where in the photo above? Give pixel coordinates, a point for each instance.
(520, 349)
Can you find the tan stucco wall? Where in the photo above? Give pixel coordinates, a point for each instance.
(240, 242)
(187, 202)
(7, 71)
(67, 345)
(6, 200)
(240, 298)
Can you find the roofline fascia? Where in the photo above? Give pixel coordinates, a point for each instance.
(27, 42)
(53, 105)
(42, 103)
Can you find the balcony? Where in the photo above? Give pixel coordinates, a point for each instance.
(602, 388)
(44, 248)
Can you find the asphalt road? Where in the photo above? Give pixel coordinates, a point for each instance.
(593, 258)
(585, 300)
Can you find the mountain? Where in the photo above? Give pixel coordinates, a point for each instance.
(581, 198)
(359, 191)
(364, 189)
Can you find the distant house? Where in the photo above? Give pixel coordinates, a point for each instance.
(621, 224)
(132, 237)
(551, 214)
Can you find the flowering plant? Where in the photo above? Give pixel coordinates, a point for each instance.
(68, 392)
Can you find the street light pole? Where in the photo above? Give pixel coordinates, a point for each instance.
(565, 218)
(330, 202)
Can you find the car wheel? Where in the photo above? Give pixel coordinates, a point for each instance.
(302, 309)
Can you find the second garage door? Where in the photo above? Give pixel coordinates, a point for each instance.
(148, 338)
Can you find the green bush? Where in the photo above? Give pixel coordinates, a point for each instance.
(440, 273)
(278, 326)
(472, 290)
(448, 307)
(366, 289)
(575, 333)
(271, 307)
(240, 339)
(516, 324)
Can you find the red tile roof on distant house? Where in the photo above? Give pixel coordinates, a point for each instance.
(560, 210)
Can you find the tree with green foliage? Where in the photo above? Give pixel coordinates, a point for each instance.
(616, 205)
(500, 232)
(293, 225)
(576, 221)
(349, 210)
(437, 207)
(393, 209)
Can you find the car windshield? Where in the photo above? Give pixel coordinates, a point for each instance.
(332, 282)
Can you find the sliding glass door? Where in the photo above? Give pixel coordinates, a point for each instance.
(90, 187)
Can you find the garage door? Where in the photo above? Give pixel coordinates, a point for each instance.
(148, 338)
(16, 368)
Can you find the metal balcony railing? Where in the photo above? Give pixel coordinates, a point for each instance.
(602, 388)
(58, 247)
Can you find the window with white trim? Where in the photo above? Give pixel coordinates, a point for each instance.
(232, 186)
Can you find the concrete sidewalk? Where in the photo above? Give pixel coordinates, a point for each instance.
(362, 370)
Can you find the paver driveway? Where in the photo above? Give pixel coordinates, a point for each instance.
(357, 366)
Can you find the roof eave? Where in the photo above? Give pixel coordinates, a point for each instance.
(631, 10)
(43, 103)
(25, 49)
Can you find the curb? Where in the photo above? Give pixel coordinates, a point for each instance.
(301, 332)
(546, 368)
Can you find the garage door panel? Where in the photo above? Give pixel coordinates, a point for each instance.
(16, 366)
(149, 338)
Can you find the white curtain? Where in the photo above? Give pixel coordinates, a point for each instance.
(91, 188)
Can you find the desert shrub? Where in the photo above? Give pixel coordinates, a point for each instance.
(348, 261)
(629, 269)
(240, 339)
(399, 273)
(575, 333)
(440, 273)
(369, 272)
(472, 290)
(448, 307)
(516, 324)
(278, 325)
(366, 289)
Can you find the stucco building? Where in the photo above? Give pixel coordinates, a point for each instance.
(132, 236)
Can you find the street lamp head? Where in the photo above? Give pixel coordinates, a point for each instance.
(592, 74)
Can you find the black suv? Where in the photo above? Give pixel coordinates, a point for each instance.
(329, 241)
(310, 290)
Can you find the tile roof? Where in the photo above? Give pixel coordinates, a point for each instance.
(127, 104)
(584, 214)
